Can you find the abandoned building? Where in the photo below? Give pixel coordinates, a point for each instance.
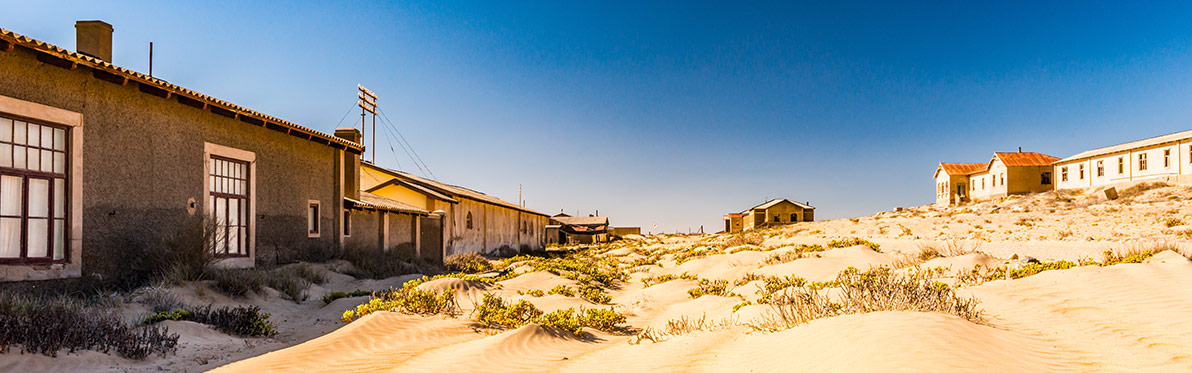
(1004, 174)
(96, 160)
(570, 230)
(473, 221)
(1160, 158)
(775, 212)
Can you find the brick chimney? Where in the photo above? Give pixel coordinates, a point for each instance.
(94, 38)
(351, 163)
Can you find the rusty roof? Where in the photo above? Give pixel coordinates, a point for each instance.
(1020, 159)
(452, 190)
(371, 201)
(962, 169)
(112, 72)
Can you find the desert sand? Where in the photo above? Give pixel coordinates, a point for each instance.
(1130, 316)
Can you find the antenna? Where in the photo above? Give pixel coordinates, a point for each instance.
(368, 102)
(150, 59)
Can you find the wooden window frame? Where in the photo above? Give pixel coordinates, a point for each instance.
(1142, 162)
(318, 223)
(50, 176)
(242, 199)
(348, 224)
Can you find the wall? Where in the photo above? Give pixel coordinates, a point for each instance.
(401, 231)
(1178, 169)
(782, 211)
(143, 160)
(364, 229)
(1028, 179)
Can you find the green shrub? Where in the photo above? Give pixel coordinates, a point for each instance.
(710, 287)
(495, 312)
(655, 280)
(594, 294)
(177, 314)
(563, 290)
(854, 241)
(410, 300)
(240, 320)
(532, 292)
(339, 294)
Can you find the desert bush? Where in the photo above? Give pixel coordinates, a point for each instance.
(562, 290)
(795, 253)
(157, 299)
(495, 312)
(742, 239)
(467, 263)
(854, 241)
(331, 297)
(49, 325)
(681, 326)
(710, 287)
(655, 280)
(685, 255)
(1171, 222)
(594, 294)
(239, 320)
(532, 292)
(236, 282)
(373, 263)
(747, 278)
(410, 300)
(871, 291)
(1139, 189)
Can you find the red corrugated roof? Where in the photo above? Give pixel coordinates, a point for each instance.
(1025, 159)
(959, 169)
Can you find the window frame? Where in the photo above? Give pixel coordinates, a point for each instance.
(314, 218)
(1064, 174)
(1101, 168)
(245, 200)
(50, 177)
(215, 151)
(468, 221)
(348, 224)
(1166, 158)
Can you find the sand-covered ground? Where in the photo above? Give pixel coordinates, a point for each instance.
(1032, 313)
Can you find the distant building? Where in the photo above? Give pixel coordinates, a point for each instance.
(1166, 158)
(775, 212)
(1004, 174)
(569, 230)
(625, 231)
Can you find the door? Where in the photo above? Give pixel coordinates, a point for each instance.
(431, 234)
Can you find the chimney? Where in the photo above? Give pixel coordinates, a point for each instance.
(94, 38)
(1020, 149)
(351, 163)
(350, 134)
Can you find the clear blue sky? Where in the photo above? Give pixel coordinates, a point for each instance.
(678, 112)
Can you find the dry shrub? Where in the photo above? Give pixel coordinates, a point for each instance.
(871, 291)
(467, 263)
(741, 239)
(681, 326)
(374, 263)
(1125, 195)
(49, 325)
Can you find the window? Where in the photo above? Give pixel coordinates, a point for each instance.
(469, 222)
(312, 218)
(776, 219)
(1063, 174)
(1003, 179)
(1121, 165)
(1045, 178)
(794, 217)
(1142, 162)
(347, 223)
(1082, 171)
(982, 183)
(1166, 158)
(32, 192)
(228, 186)
(1100, 168)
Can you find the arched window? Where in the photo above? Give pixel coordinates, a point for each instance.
(469, 220)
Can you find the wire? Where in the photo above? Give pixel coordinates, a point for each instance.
(341, 120)
(403, 138)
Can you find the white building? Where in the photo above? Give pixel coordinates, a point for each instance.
(1166, 158)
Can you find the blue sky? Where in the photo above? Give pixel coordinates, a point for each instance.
(678, 112)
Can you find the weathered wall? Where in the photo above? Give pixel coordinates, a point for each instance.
(364, 230)
(1178, 156)
(143, 159)
(401, 230)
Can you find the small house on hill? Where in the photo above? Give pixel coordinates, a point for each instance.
(578, 230)
(1166, 158)
(1004, 174)
(779, 211)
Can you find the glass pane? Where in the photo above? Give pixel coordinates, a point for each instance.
(234, 212)
(233, 241)
(18, 157)
(221, 211)
(59, 198)
(47, 137)
(210, 166)
(39, 198)
(243, 188)
(59, 139)
(5, 130)
(33, 159)
(243, 240)
(59, 162)
(59, 239)
(10, 237)
(36, 241)
(47, 161)
(18, 132)
(210, 183)
(34, 135)
(11, 191)
(5, 155)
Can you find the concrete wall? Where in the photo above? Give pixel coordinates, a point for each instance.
(401, 231)
(493, 228)
(1176, 169)
(144, 159)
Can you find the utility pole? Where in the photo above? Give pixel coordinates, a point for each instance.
(368, 103)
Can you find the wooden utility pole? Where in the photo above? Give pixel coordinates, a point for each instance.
(368, 103)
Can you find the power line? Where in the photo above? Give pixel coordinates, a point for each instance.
(417, 158)
(391, 139)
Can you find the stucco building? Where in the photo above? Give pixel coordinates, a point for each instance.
(567, 229)
(96, 160)
(1166, 158)
(472, 221)
(775, 212)
(1005, 174)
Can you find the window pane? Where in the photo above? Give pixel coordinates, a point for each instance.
(5, 130)
(59, 239)
(59, 139)
(233, 241)
(18, 157)
(221, 211)
(10, 237)
(59, 198)
(59, 162)
(39, 198)
(5, 155)
(18, 132)
(34, 135)
(244, 240)
(211, 183)
(233, 212)
(11, 191)
(36, 240)
(47, 161)
(34, 159)
(47, 137)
